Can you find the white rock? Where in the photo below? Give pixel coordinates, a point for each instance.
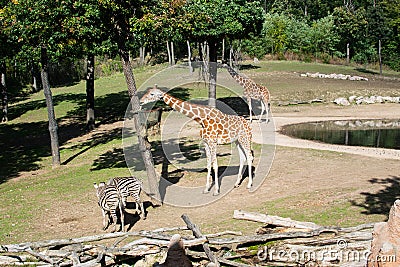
(341, 101)
(352, 98)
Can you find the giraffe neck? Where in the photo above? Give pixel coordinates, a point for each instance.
(192, 111)
(241, 80)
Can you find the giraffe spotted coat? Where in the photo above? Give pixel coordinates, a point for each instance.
(217, 128)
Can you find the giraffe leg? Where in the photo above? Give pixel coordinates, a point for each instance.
(215, 167)
(250, 109)
(209, 162)
(249, 157)
(242, 158)
(262, 111)
(213, 160)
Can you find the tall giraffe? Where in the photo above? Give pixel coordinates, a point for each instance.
(252, 90)
(217, 128)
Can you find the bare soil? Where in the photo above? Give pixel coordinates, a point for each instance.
(305, 176)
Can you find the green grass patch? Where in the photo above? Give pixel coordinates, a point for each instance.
(309, 207)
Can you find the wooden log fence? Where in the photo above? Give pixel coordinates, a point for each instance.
(281, 242)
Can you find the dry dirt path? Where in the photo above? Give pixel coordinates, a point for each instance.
(304, 177)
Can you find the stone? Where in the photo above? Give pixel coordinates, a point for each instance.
(341, 101)
(385, 246)
(176, 255)
(352, 98)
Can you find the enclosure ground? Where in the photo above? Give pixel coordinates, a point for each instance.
(319, 185)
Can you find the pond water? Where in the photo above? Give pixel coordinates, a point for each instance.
(370, 133)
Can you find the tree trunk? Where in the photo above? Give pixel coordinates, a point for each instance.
(380, 56)
(223, 50)
(90, 121)
(35, 77)
(142, 55)
(230, 56)
(212, 93)
(53, 129)
(169, 54)
(144, 145)
(189, 57)
(172, 54)
(4, 98)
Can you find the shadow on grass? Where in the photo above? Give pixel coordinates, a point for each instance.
(249, 67)
(362, 70)
(25, 144)
(381, 201)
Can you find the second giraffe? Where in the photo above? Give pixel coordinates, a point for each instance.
(217, 128)
(251, 91)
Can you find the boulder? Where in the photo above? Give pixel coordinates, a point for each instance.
(341, 101)
(176, 255)
(385, 246)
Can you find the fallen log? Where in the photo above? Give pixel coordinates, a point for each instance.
(197, 233)
(274, 220)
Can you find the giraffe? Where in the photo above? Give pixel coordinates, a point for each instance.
(252, 90)
(217, 128)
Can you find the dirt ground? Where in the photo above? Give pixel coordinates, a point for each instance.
(300, 168)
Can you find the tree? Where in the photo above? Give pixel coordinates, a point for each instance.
(42, 28)
(212, 21)
(117, 17)
(391, 46)
(351, 26)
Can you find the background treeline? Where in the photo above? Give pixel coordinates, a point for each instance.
(323, 29)
(333, 31)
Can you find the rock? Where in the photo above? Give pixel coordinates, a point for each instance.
(385, 246)
(176, 255)
(341, 101)
(379, 99)
(352, 98)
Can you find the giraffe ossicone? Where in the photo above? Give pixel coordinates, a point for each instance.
(252, 90)
(217, 128)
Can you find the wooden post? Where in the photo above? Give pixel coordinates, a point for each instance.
(348, 54)
(198, 234)
(380, 56)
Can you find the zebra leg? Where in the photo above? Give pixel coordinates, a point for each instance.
(121, 211)
(113, 212)
(139, 206)
(106, 219)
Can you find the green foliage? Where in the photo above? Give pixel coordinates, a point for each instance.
(234, 19)
(282, 33)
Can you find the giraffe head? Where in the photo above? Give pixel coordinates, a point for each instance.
(154, 94)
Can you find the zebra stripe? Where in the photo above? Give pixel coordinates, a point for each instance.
(109, 199)
(129, 186)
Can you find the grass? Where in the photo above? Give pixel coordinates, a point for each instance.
(30, 188)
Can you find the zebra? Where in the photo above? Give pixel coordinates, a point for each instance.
(130, 186)
(109, 199)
